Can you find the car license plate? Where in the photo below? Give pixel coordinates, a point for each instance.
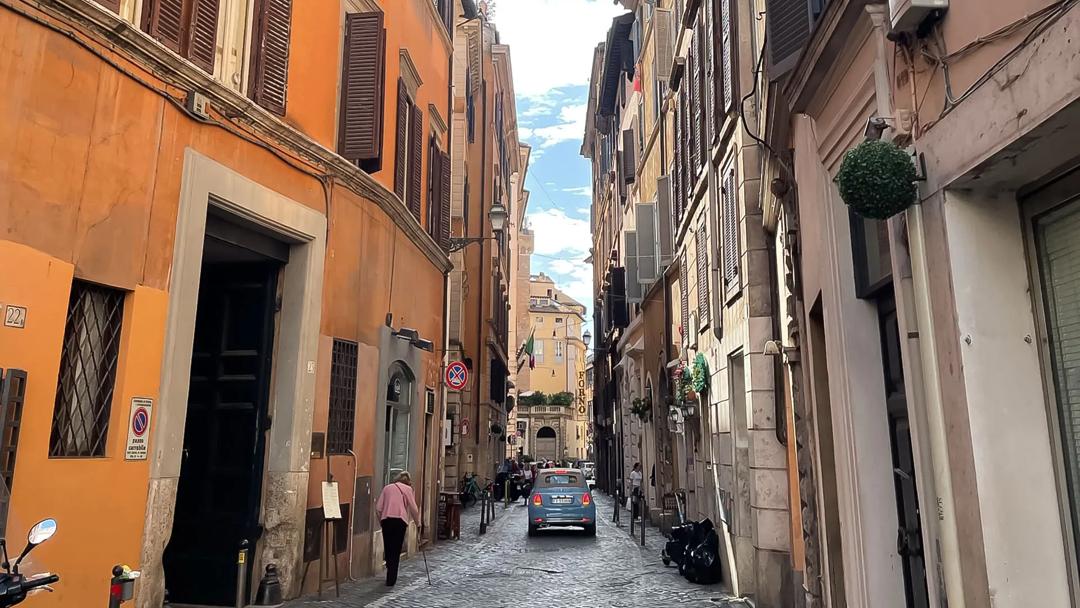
(562, 500)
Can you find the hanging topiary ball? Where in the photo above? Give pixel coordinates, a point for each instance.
(877, 179)
(700, 373)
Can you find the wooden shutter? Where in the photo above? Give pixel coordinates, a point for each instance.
(401, 142)
(706, 27)
(678, 189)
(270, 75)
(362, 73)
(727, 53)
(629, 154)
(664, 56)
(663, 218)
(416, 159)
(716, 83)
(701, 240)
(164, 20)
(693, 117)
(731, 227)
(684, 291)
(788, 29)
(619, 314)
(690, 13)
(434, 205)
(702, 136)
(444, 202)
(645, 222)
(630, 249)
(202, 34)
(687, 145)
(113, 5)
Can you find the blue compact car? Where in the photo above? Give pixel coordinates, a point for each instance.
(561, 498)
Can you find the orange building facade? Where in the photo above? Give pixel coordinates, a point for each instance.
(223, 232)
(488, 202)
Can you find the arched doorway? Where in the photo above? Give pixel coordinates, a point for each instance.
(546, 444)
(399, 396)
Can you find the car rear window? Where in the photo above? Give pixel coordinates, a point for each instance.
(559, 479)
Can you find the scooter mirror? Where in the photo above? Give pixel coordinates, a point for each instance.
(41, 532)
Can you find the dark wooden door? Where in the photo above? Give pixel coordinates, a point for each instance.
(217, 503)
(909, 533)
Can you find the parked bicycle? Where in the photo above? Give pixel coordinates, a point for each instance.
(471, 490)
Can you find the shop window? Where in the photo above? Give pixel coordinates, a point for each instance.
(87, 375)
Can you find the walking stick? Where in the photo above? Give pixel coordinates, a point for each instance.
(424, 553)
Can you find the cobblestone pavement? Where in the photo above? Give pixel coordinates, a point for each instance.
(553, 570)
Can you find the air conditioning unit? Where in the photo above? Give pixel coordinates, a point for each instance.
(906, 15)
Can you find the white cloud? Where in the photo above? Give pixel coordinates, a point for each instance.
(583, 211)
(580, 191)
(552, 41)
(570, 127)
(573, 277)
(559, 234)
(573, 113)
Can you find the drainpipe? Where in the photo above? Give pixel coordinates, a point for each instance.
(483, 197)
(910, 268)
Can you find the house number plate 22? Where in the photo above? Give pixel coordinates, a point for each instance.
(15, 316)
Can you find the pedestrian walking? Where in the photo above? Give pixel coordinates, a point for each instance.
(395, 507)
(635, 487)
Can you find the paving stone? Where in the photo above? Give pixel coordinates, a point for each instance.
(506, 568)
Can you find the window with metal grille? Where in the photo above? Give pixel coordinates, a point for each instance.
(87, 376)
(12, 397)
(342, 420)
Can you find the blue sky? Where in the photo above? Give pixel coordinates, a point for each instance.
(551, 49)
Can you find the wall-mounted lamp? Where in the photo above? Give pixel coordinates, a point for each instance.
(497, 215)
(414, 339)
(875, 128)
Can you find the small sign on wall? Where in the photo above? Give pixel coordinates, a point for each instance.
(138, 440)
(14, 316)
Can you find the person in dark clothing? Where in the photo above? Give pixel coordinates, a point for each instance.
(396, 505)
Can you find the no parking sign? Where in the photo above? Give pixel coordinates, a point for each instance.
(457, 376)
(138, 441)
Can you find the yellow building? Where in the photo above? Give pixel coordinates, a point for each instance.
(555, 426)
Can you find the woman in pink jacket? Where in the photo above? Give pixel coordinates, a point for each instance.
(395, 507)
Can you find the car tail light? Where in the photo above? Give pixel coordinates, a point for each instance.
(536, 500)
(586, 499)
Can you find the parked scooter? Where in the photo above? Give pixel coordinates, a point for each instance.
(703, 566)
(684, 538)
(518, 486)
(13, 585)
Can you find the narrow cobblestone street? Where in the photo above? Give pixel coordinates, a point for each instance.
(558, 568)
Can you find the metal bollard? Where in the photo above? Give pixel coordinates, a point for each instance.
(483, 513)
(640, 509)
(241, 574)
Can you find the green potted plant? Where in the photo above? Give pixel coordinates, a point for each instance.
(877, 179)
(642, 408)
